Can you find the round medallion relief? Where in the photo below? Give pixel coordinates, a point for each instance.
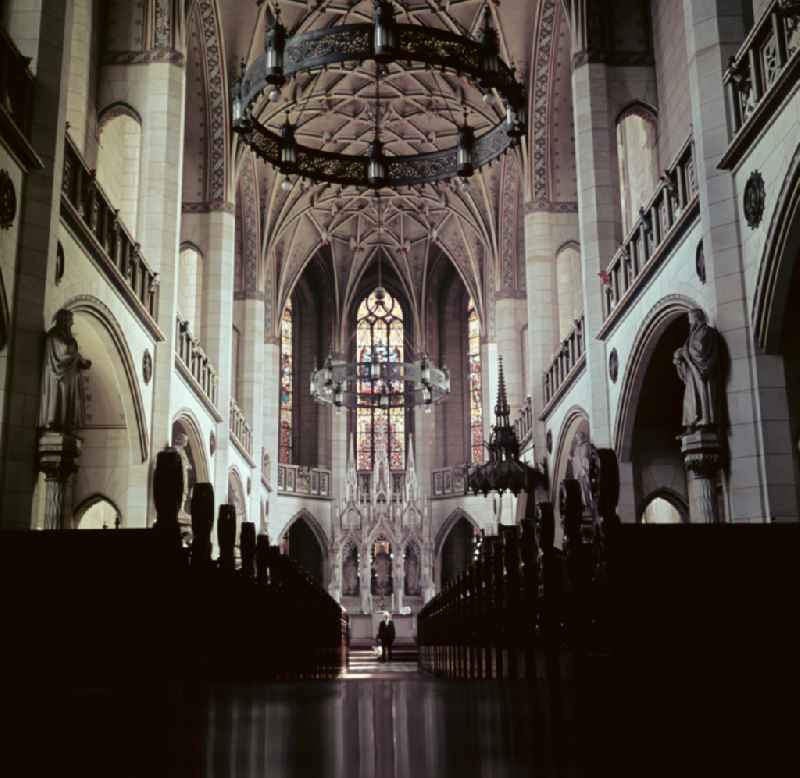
(8, 200)
(700, 262)
(147, 366)
(212, 443)
(613, 365)
(755, 196)
(549, 441)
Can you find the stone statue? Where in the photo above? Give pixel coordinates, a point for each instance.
(179, 441)
(697, 363)
(585, 468)
(62, 401)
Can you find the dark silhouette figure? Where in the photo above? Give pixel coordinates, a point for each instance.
(386, 637)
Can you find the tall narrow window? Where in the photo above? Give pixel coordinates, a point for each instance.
(637, 154)
(285, 439)
(380, 416)
(475, 384)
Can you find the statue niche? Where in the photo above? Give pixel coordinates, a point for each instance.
(350, 571)
(382, 569)
(412, 577)
(697, 363)
(62, 402)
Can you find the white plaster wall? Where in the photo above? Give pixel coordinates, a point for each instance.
(8, 266)
(677, 275)
(235, 459)
(118, 161)
(283, 508)
(771, 155)
(82, 277)
(672, 75)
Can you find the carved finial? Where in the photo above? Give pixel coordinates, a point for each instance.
(501, 409)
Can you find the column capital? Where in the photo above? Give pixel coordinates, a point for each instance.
(58, 454)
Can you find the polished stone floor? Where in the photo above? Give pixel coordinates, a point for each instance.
(376, 721)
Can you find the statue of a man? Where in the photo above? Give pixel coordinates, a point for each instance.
(697, 363)
(61, 405)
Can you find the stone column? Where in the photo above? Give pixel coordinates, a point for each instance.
(40, 210)
(714, 32)
(58, 460)
(80, 33)
(545, 232)
(599, 222)
(217, 336)
(270, 411)
(701, 453)
(511, 313)
(251, 387)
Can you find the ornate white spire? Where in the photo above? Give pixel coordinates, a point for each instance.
(351, 480)
(413, 492)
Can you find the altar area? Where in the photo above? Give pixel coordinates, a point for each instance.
(381, 550)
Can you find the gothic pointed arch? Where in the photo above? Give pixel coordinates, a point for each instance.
(778, 262)
(101, 314)
(655, 324)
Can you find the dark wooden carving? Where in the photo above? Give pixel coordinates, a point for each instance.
(247, 546)
(8, 201)
(202, 522)
(168, 487)
(226, 536)
(755, 197)
(262, 559)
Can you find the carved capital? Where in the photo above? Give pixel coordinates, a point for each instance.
(58, 455)
(701, 451)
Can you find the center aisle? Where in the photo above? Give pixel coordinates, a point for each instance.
(376, 721)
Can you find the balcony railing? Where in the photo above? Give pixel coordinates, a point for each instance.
(765, 68)
(566, 362)
(16, 101)
(311, 481)
(523, 424)
(196, 362)
(240, 429)
(106, 238)
(660, 223)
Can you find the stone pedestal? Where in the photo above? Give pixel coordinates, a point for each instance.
(58, 459)
(701, 456)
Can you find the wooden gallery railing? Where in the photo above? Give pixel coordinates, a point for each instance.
(662, 220)
(196, 361)
(764, 70)
(240, 429)
(16, 101)
(106, 237)
(567, 361)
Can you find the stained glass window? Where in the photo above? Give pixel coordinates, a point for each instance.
(475, 384)
(380, 416)
(285, 431)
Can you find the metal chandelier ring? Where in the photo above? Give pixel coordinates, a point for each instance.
(431, 47)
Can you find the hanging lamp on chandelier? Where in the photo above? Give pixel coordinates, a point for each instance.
(386, 42)
(378, 380)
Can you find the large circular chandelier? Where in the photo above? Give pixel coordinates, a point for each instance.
(384, 41)
(379, 379)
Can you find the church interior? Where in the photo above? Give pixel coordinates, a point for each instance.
(472, 315)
